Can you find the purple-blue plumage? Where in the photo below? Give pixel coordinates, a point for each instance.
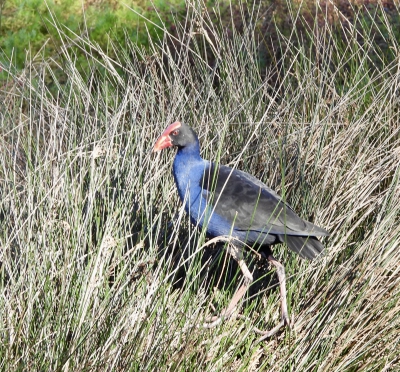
(227, 201)
(231, 202)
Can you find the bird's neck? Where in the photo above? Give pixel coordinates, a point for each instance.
(188, 154)
(188, 166)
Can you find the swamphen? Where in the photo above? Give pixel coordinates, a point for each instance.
(232, 203)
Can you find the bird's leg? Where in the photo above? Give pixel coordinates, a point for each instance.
(248, 279)
(280, 270)
(236, 253)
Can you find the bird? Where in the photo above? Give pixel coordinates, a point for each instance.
(238, 208)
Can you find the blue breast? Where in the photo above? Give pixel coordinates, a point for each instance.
(188, 170)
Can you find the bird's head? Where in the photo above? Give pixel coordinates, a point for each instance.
(177, 134)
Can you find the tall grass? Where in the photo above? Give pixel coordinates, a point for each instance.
(100, 267)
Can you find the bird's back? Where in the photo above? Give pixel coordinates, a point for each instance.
(231, 202)
(256, 213)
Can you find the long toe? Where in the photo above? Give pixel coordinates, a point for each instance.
(267, 334)
(216, 320)
(213, 322)
(286, 321)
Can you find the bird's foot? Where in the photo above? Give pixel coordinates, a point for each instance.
(216, 320)
(227, 313)
(285, 322)
(267, 334)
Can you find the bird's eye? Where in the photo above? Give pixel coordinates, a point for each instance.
(175, 132)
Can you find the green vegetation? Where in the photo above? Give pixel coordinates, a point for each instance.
(29, 30)
(99, 272)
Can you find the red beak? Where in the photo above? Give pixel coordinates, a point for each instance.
(164, 140)
(162, 143)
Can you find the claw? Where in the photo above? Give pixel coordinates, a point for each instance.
(236, 253)
(227, 312)
(280, 269)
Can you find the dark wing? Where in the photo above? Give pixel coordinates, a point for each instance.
(242, 198)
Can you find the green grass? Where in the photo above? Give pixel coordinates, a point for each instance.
(100, 268)
(30, 31)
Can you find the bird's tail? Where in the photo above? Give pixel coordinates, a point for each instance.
(307, 247)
